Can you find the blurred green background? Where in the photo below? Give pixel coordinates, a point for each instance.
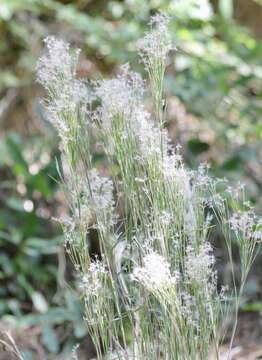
(214, 96)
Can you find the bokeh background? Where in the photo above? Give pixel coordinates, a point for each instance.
(214, 97)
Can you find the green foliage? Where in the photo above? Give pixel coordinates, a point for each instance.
(30, 245)
(25, 238)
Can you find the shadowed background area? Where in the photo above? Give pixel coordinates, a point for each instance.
(214, 97)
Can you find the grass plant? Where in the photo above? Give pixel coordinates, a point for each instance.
(152, 291)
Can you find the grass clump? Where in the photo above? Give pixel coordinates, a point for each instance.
(152, 293)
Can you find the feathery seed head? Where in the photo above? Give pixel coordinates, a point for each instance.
(119, 96)
(199, 265)
(67, 96)
(155, 274)
(93, 281)
(58, 64)
(156, 44)
(101, 191)
(246, 224)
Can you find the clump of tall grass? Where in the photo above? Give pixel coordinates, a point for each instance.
(152, 291)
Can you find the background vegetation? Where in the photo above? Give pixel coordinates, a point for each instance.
(214, 97)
